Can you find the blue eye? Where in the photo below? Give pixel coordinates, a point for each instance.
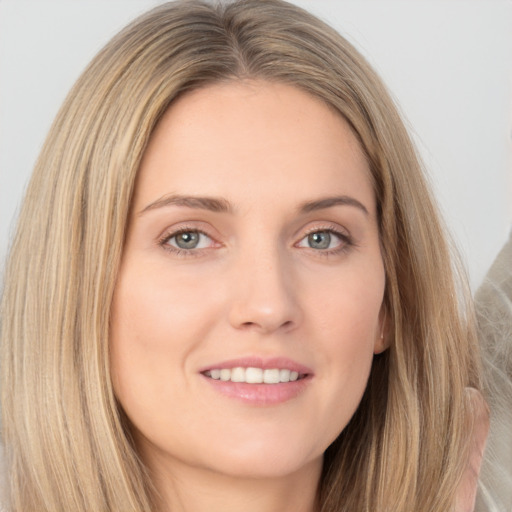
(189, 240)
(319, 240)
(324, 239)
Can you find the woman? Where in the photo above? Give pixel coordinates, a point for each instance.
(229, 281)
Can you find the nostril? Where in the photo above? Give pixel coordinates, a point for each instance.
(264, 312)
(266, 326)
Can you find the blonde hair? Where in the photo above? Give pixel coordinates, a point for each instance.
(68, 443)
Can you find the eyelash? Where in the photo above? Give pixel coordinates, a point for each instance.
(346, 244)
(183, 253)
(346, 241)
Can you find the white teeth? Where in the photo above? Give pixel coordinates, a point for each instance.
(284, 375)
(271, 376)
(225, 374)
(237, 375)
(253, 375)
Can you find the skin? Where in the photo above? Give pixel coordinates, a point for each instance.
(466, 492)
(255, 285)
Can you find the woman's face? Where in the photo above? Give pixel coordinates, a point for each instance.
(248, 305)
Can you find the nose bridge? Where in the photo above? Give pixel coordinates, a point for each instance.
(264, 295)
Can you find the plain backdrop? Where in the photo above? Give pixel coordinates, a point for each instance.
(448, 64)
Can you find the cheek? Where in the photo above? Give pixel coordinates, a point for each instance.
(347, 307)
(160, 321)
(154, 325)
(151, 308)
(346, 319)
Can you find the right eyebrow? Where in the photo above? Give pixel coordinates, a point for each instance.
(213, 204)
(329, 202)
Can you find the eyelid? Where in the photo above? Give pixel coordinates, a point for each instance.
(323, 226)
(177, 235)
(174, 231)
(346, 239)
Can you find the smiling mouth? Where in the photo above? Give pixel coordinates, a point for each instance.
(251, 375)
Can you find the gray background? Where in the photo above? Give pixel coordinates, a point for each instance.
(447, 62)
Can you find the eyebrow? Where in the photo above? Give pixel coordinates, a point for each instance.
(328, 202)
(212, 204)
(220, 205)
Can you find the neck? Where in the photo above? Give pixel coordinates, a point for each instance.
(185, 489)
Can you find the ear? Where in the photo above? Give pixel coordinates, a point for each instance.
(382, 337)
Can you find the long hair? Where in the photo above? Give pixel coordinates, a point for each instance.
(67, 441)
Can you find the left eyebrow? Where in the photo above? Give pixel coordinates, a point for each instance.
(212, 204)
(328, 202)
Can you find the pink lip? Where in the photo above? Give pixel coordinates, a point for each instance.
(261, 362)
(261, 394)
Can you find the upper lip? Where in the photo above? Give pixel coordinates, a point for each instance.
(261, 362)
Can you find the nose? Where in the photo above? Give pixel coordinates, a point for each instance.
(264, 294)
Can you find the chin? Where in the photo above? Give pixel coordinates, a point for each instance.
(261, 459)
(275, 467)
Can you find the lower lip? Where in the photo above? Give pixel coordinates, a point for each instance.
(260, 394)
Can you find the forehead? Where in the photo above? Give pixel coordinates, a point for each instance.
(271, 139)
